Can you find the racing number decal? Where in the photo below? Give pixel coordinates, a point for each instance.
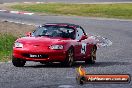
(83, 49)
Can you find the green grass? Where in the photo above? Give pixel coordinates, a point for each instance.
(92, 10)
(6, 43)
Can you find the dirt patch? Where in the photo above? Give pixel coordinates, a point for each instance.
(14, 28)
(5, 6)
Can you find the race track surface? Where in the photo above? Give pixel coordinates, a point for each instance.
(115, 59)
(65, 1)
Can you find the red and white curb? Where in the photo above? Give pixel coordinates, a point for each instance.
(16, 12)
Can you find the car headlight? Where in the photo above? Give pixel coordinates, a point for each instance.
(18, 45)
(56, 47)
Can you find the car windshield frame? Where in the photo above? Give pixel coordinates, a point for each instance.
(55, 31)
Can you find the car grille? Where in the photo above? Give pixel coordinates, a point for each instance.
(35, 55)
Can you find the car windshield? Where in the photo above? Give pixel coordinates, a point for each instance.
(54, 31)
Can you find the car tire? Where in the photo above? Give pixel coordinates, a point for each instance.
(18, 62)
(92, 58)
(69, 58)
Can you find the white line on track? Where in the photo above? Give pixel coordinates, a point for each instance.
(66, 86)
(77, 3)
(20, 22)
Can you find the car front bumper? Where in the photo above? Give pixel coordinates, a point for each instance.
(40, 55)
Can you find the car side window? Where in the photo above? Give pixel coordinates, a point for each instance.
(79, 33)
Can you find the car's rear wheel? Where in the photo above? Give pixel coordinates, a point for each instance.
(92, 58)
(18, 62)
(69, 59)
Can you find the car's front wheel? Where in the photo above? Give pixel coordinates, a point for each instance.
(70, 58)
(18, 62)
(92, 58)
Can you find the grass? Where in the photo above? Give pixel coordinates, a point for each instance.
(93, 10)
(6, 43)
(9, 32)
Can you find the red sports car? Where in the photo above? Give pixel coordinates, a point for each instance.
(55, 42)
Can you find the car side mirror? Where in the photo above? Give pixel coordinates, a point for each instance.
(28, 34)
(83, 38)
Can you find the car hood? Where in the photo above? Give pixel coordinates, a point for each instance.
(46, 41)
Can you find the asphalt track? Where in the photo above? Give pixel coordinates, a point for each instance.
(115, 59)
(110, 60)
(64, 1)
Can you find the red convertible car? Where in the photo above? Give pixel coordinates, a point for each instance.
(55, 42)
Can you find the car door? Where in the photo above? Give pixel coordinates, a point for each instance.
(81, 47)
